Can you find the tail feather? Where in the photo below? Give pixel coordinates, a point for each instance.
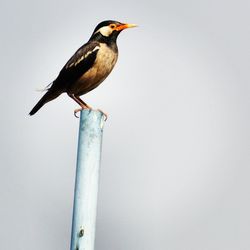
(49, 96)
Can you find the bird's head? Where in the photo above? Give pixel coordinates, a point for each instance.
(109, 30)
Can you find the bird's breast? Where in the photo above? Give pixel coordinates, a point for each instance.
(105, 61)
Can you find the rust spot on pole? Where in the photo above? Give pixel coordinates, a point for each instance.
(81, 232)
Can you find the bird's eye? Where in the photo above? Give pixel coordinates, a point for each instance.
(112, 26)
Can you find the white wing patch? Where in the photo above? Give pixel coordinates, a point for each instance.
(83, 57)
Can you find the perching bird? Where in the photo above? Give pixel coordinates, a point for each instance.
(88, 67)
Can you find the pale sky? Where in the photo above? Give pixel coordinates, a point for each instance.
(175, 161)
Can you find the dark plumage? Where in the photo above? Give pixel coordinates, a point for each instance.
(88, 67)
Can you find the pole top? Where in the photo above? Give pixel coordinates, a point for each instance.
(90, 116)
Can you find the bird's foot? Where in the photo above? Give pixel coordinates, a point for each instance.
(76, 111)
(89, 108)
(80, 109)
(105, 114)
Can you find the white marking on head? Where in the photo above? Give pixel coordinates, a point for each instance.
(105, 31)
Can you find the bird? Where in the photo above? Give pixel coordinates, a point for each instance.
(88, 67)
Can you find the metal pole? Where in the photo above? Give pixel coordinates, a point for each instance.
(86, 180)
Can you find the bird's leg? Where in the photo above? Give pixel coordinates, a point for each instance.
(84, 106)
(105, 114)
(80, 102)
(84, 103)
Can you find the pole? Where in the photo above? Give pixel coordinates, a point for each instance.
(86, 180)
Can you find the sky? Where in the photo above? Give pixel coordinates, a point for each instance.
(175, 158)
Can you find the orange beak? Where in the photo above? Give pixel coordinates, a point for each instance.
(125, 26)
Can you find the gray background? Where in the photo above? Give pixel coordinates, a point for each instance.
(175, 164)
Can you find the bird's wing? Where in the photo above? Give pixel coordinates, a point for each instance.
(78, 64)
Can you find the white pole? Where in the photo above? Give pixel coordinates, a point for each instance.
(86, 181)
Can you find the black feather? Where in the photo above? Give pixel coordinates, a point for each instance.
(71, 74)
(48, 96)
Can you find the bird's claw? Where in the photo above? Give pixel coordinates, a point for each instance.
(105, 114)
(76, 111)
(80, 109)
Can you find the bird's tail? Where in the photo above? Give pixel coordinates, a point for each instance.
(49, 96)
